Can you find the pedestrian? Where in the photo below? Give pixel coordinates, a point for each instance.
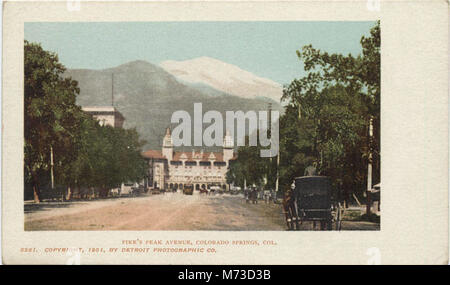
(311, 170)
(290, 209)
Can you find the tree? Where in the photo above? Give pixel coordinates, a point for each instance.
(85, 153)
(235, 174)
(49, 107)
(328, 111)
(107, 156)
(249, 166)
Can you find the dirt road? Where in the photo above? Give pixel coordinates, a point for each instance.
(170, 211)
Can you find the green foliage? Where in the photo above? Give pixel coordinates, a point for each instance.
(85, 153)
(326, 120)
(50, 113)
(236, 173)
(333, 104)
(249, 167)
(108, 156)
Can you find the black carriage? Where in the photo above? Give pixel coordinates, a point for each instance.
(316, 202)
(251, 196)
(188, 189)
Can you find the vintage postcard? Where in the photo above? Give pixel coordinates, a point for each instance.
(225, 132)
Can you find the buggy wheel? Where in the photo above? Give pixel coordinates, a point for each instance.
(329, 226)
(325, 225)
(297, 226)
(338, 224)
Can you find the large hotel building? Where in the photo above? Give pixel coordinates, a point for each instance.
(171, 170)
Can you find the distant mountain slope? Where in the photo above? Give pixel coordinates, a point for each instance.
(223, 76)
(147, 96)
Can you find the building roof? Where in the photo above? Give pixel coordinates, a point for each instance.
(157, 154)
(187, 155)
(99, 109)
(102, 110)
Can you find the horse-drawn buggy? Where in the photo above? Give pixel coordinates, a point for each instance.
(251, 195)
(312, 199)
(188, 189)
(155, 191)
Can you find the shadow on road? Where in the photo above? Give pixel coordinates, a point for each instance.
(31, 207)
(46, 206)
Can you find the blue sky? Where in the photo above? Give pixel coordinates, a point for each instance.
(266, 49)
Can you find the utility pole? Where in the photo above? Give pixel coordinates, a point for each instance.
(112, 89)
(270, 117)
(369, 169)
(278, 166)
(51, 167)
(269, 132)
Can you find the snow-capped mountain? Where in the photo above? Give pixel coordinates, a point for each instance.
(224, 77)
(147, 96)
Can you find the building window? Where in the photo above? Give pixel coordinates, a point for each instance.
(191, 163)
